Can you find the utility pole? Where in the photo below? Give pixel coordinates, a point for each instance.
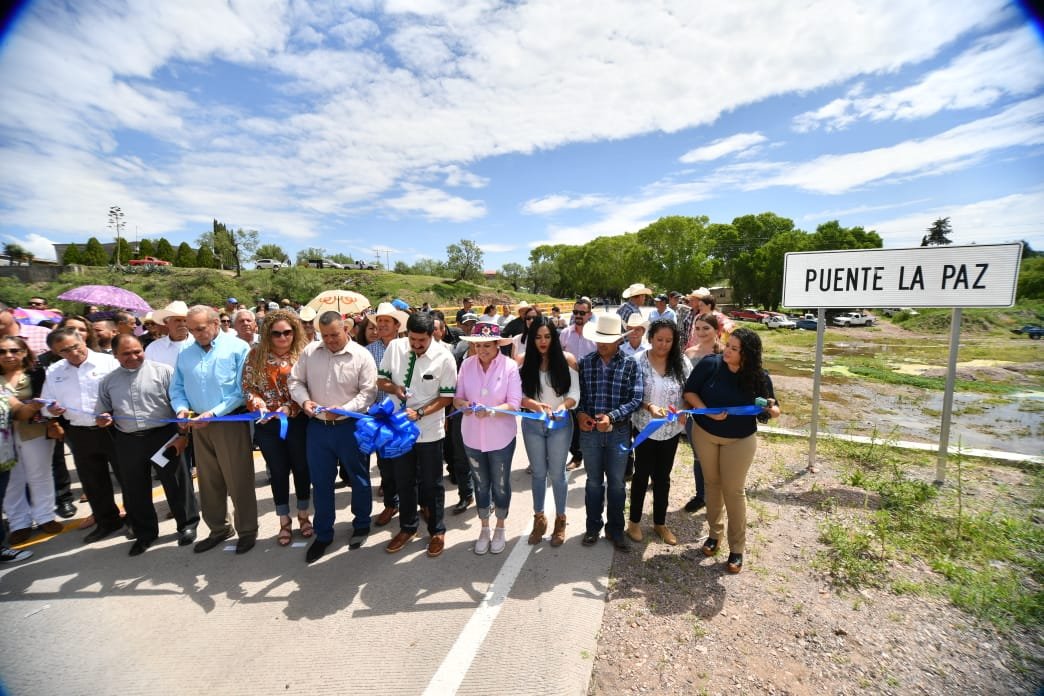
(386, 252)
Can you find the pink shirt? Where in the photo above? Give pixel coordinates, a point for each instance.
(498, 385)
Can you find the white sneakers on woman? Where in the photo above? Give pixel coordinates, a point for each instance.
(498, 542)
(482, 544)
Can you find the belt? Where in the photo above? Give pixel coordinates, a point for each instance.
(331, 423)
(84, 427)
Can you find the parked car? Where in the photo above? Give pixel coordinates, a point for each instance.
(778, 321)
(747, 315)
(323, 263)
(362, 266)
(268, 263)
(1031, 330)
(148, 261)
(892, 311)
(854, 319)
(808, 323)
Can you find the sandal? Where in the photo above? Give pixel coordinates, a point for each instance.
(286, 534)
(306, 526)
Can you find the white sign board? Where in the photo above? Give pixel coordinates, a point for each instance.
(964, 276)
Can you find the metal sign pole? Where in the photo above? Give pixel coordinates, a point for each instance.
(813, 427)
(947, 410)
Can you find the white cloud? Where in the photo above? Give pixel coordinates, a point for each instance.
(557, 202)
(434, 204)
(1001, 65)
(1006, 219)
(838, 214)
(497, 248)
(740, 144)
(1021, 124)
(39, 246)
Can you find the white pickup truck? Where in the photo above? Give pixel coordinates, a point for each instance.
(854, 319)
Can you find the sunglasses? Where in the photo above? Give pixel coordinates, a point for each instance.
(579, 312)
(282, 334)
(10, 351)
(37, 304)
(226, 321)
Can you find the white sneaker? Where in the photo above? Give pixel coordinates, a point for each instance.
(482, 544)
(498, 541)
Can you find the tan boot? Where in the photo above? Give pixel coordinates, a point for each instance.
(539, 527)
(634, 531)
(558, 536)
(665, 534)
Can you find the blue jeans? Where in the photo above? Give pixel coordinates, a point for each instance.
(4, 475)
(285, 458)
(328, 444)
(547, 451)
(492, 474)
(605, 463)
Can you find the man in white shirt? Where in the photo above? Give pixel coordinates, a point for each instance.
(573, 341)
(245, 325)
(165, 350)
(71, 388)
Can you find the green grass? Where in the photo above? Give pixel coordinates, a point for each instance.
(881, 372)
(987, 561)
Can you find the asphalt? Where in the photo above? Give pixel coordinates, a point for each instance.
(88, 619)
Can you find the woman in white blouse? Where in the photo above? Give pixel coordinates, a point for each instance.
(550, 385)
(664, 371)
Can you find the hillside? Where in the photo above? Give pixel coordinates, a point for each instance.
(203, 286)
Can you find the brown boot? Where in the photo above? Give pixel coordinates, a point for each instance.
(634, 531)
(558, 536)
(665, 534)
(539, 527)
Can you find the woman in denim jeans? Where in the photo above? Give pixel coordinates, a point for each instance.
(489, 378)
(550, 385)
(264, 386)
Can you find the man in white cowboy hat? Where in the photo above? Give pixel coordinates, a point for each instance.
(611, 390)
(390, 321)
(635, 344)
(165, 350)
(636, 295)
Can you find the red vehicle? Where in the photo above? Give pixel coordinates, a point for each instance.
(748, 315)
(148, 261)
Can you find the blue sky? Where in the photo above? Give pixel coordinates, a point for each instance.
(409, 125)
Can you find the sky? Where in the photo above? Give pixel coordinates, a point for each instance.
(407, 125)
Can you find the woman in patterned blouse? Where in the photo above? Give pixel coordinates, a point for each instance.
(282, 338)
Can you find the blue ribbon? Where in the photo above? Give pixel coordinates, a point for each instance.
(554, 421)
(672, 417)
(230, 418)
(382, 429)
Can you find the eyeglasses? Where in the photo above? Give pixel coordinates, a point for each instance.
(10, 351)
(226, 321)
(282, 334)
(580, 312)
(531, 317)
(37, 304)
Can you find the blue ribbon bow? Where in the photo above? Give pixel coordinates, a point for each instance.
(672, 416)
(382, 429)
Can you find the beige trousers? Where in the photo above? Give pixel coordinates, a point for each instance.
(225, 468)
(725, 462)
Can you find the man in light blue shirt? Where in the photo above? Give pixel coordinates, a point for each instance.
(208, 382)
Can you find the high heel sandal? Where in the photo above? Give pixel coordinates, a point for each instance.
(286, 534)
(306, 525)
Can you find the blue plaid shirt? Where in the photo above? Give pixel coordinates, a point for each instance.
(615, 389)
(377, 349)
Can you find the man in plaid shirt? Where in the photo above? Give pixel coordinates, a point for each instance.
(610, 391)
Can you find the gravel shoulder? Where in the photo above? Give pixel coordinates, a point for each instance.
(676, 622)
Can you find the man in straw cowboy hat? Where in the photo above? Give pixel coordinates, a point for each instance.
(611, 390)
(165, 350)
(390, 320)
(636, 295)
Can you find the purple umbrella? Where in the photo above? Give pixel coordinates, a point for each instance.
(106, 295)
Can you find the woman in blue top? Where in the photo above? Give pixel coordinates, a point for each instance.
(726, 444)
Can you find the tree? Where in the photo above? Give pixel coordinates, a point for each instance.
(116, 224)
(270, 251)
(164, 250)
(185, 258)
(230, 247)
(938, 233)
(17, 253)
(310, 253)
(464, 260)
(514, 273)
(342, 258)
(72, 255)
(121, 253)
(94, 253)
(1031, 278)
(146, 247)
(205, 258)
(402, 268)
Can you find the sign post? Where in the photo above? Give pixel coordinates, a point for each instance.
(963, 276)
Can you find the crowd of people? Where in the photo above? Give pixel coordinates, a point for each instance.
(185, 394)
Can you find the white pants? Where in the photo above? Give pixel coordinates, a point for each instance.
(33, 469)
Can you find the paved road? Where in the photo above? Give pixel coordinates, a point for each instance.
(91, 620)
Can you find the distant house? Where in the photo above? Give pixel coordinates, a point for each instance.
(489, 275)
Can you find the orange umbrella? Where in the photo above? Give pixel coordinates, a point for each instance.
(344, 302)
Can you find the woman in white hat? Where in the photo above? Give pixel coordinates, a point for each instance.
(489, 378)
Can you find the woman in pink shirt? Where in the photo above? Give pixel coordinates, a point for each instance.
(489, 378)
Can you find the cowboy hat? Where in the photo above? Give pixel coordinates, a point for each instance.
(486, 331)
(608, 328)
(636, 289)
(387, 309)
(307, 314)
(700, 292)
(636, 320)
(468, 316)
(174, 309)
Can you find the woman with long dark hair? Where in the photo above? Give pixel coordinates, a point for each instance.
(664, 371)
(550, 383)
(267, 367)
(726, 444)
(705, 330)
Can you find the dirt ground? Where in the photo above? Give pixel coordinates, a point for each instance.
(677, 623)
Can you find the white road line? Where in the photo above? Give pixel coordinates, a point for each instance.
(458, 660)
